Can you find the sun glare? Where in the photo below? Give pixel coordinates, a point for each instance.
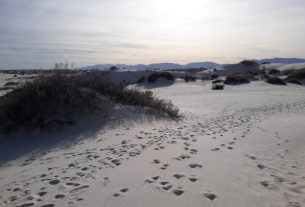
(178, 9)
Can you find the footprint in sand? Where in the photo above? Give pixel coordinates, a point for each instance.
(121, 192)
(48, 205)
(178, 191)
(193, 178)
(178, 176)
(54, 182)
(192, 165)
(164, 166)
(210, 196)
(59, 196)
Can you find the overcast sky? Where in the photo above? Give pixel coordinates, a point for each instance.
(37, 33)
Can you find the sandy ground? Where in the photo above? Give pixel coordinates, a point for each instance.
(243, 146)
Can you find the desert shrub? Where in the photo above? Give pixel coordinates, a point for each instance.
(297, 74)
(274, 72)
(156, 75)
(11, 84)
(275, 80)
(249, 63)
(217, 86)
(288, 72)
(236, 79)
(294, 81)
(113, 68)
(60, 98)
(189, 78)
(217, 81)
(141, 80)
(214, 76)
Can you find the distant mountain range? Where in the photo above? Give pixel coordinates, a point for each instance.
(282, 60)
(170, 66)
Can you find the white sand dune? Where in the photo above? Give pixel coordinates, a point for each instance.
(282, 67)
(242, 146)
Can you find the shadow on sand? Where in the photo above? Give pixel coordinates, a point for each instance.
(16, 145)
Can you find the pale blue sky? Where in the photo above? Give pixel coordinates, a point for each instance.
(37, 33)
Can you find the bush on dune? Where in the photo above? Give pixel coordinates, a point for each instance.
(217, 86)
(275, 80)
(189, 78)
(297, 75)
(236, 79)
(60, 98)
(294, 81)
(217, 81)
(274, 72)
(249, 63)
(156, 75)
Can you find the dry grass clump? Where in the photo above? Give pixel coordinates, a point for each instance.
(141, 80)
(61, 98)
(156, 75)
(297, 74)
(217, 81)
(217, 86)
(249, 63)
(274, 72)
(189, 78)
(275, 80)
(237, 79)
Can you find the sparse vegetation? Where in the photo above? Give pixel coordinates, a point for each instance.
(214, 76)
(189, 78)
(113, 68)
(249, 63)
(274, 72)
(64, 66)
(156, 75)
(217, 81)
(236, 79)
(141, 80)
(294, 81)
(297, 74)
(275, 80)
(60, 98)
(217, 86)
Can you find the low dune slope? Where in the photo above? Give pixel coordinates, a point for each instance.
(242, 146)
(283, 67)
